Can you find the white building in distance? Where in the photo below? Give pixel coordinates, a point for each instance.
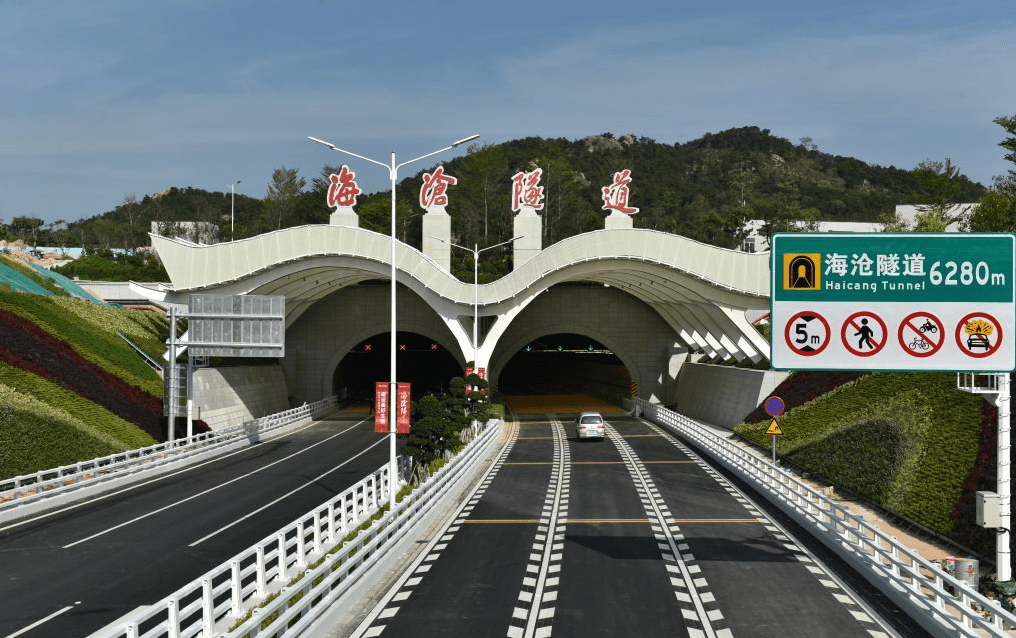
(755, 242)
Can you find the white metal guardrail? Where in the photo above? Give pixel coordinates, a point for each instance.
(283, 583)
(942, 604)
(31, 488)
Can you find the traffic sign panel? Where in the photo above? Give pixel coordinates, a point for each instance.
(921, 334)
(807, 333)
(865, 329)
(774, 406)
(774, 429)
(979, 335)
(899, 283)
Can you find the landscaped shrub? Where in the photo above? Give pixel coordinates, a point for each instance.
(95, 340)
(873, 452)
(801, 387)
(86, 415)
(932, 470)
(38, 437)
(24, 345)
(982, 477)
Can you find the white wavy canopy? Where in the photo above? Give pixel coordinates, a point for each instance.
(700, 290)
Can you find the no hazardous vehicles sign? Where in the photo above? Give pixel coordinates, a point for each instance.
(893, 301)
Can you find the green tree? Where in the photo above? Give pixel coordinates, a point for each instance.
(941, 183)
(996, 211)
(26, 229)
(280, 202)
(435, 430)
(1009, 143)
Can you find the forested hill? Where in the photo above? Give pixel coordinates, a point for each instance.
(703, 189)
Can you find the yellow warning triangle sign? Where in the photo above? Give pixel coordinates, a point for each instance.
(774, 428)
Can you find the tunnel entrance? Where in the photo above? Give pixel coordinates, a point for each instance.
(419, 360)
(566, 364)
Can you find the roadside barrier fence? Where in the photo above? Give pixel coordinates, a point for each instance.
(944, 606)
(32, 488)
(284, 583)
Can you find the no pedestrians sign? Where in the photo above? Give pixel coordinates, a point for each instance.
(893, 301)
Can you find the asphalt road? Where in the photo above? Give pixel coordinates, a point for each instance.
(633, 536)
(75, 570)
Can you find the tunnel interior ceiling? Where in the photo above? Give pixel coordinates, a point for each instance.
(565, 363)
(420, 361)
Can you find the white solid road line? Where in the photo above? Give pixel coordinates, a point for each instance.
(41, 621)
(290, 493)
(199, 494)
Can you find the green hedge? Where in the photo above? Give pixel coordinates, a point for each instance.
(906, 441)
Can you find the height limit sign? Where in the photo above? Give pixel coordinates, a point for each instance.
(893, 301)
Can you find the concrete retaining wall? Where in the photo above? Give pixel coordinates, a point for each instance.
(227, 396)
(723, 395)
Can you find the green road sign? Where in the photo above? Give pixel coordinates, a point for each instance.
(893, 301)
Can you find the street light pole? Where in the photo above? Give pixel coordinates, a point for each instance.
(393, 170)
(232, 202)
(476, 250)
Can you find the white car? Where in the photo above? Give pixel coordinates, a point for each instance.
(590, 425)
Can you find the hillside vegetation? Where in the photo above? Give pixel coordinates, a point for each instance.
(704, 189)
(909, 442)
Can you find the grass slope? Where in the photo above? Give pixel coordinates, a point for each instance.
(70, 388)
(906, 441)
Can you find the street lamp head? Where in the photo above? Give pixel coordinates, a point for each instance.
(328, 144)
(464, 140)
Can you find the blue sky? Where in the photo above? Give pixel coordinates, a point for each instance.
(103, 98)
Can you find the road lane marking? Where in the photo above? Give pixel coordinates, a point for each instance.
(287, 494)
(536, 605)
(595, 521)
(403, 587)
(199, 494)
(698, 605)
(41, 621)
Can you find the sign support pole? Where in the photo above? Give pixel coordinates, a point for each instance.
(171, 433)
(1003, 554)
(190, 396)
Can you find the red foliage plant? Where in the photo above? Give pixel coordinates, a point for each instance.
(23, 344)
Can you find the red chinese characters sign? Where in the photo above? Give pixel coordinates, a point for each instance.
(343, 189)
(526, 190)
(381, 406)
(403, 397)
(615, 196)
(434, 189)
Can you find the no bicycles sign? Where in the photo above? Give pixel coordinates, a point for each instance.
(893, 301)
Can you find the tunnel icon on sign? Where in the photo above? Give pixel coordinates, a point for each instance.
(801, 271)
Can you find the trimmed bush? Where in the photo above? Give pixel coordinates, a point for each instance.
(916, 425)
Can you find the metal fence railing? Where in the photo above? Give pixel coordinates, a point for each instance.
(943, 605)
(282, 584)
(31, 488)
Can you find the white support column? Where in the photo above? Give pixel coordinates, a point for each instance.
(437, 236)
(1003, 555)
(528, 225)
